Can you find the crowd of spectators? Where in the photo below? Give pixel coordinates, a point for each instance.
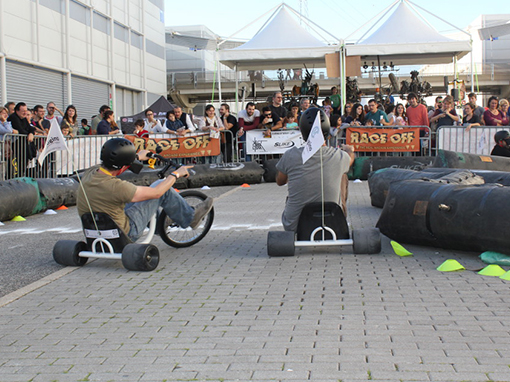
(20, 119)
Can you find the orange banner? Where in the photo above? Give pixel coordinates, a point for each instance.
(201, 145)
(370, 139)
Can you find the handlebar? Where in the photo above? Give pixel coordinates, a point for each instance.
(169, 163)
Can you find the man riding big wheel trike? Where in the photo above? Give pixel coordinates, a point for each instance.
(115, 213)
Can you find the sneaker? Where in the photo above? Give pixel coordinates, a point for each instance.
(201, 210)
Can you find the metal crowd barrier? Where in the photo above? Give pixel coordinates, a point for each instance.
(478, 140)
(18, 157)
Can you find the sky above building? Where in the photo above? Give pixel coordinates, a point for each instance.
(340, 18)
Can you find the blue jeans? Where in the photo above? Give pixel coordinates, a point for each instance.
(140, 213)
(242, 138)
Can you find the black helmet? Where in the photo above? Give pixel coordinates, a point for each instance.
(308, 118)
(501, 135)
(119, 152)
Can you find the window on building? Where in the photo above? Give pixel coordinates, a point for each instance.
(120, 32)
(101, 23)
(136, 40)
(79, 12)
(56, 5)
(155, 49)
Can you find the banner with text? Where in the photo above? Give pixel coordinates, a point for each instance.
(369, 139)
(258, 143)
(200, 145)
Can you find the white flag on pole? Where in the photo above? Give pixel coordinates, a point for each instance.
(315, 139)
(54, 142)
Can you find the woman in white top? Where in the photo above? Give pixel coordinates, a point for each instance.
(211, 123)
(152, 125)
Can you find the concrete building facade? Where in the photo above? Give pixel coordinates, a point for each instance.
(86, 53)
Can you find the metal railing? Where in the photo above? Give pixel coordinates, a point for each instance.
(478, 140)
(18, 156)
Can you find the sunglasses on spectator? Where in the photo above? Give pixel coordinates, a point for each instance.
(267, 114)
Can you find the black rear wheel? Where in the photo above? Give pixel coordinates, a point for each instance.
(178, 237)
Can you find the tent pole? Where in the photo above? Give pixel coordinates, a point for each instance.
(343, 79)
(385, 11)
(248, 25)
(237, 88)
(472, 71)
(219, 77)
(437, 17)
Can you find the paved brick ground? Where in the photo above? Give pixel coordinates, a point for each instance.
(223, 311)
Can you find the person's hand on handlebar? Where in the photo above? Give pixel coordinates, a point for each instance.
(142, 154)
(183, 171)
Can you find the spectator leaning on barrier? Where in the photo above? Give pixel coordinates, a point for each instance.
(470, 119)
(276, 105)
(51, 108)
(186, 119)
(174, 125)
(139, 129)
(230, 123)
(28, 151)
(376, 117)
(70, 120)
(42, 126)
(446, 116)
(98, 118)
(107, 126)
(269, 121)
(417, 114)
(211, 123)
(84, 128)
(503, 106)
(493, 116)
(478, 110)
(152, 125)
(10, 107)
(5, 125)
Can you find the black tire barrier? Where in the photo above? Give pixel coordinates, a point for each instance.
(57, 192)
(447, 216)
(379, 181)
(148, 176)
(452, 159)
(17, 198)
(270, 170)
(225, 174)
(364, 165)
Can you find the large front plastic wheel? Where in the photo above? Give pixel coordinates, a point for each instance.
(178, 237)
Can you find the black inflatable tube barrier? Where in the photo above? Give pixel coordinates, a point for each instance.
(17, 198)
(379, 181)
(29, 196)
(447, 216)
(362, 166)
(452, 159)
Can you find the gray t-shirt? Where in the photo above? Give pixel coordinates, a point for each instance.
(304, 180)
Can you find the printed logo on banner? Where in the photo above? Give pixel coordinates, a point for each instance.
(257, 145)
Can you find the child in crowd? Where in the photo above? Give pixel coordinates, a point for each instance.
(172, 123)
(327, 106)
(139, 129)
(85, 128)
(66, 131)
(290, 121)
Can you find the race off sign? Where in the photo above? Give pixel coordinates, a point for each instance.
(198, 145)
(279, 141)
(389, 140)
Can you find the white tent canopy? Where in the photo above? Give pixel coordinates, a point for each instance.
(282, 43)
(406, 39)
